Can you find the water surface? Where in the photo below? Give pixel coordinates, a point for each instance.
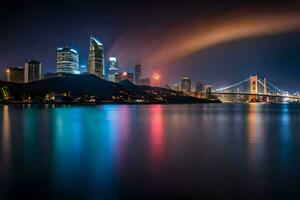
(209, 151)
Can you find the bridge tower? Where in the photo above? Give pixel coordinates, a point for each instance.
(265, 91)
(253, 89)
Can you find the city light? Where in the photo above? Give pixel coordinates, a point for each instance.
(156, 76)
(113, 59)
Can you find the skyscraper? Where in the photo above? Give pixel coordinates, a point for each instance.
(185, 84)
(32, 71)
(113, 68)
(138, 73)
(199, 86)
(67, 60)
(15, 74)
(96, 58)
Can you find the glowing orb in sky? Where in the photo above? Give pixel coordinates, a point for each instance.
(156, 76)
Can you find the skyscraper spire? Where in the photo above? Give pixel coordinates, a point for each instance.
(96, 58)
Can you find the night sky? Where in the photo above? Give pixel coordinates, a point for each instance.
(218, 42)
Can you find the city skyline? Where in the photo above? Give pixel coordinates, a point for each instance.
(150, 100)
(67, 61)
(272, 52)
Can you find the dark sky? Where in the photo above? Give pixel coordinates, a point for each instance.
(147, 31)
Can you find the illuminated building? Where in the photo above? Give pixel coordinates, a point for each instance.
(208, 88)
(124, 76)
(67, 60)
(32, 71)
(4, 93)
(113, 69)
(138, 73)
(199, 87)
(15, 74)
(96, 58)
(208, 91)
(175, 87)
(186, 84)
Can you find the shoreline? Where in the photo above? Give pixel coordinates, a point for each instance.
(104, 103)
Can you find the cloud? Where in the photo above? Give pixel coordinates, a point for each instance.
(165, 45)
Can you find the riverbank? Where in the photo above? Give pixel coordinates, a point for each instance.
(200, 101)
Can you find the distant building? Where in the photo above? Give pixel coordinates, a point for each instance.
(145, 81)
(83, 69)
(138, 73)
(67, 60)
(208, 88)
(15, 74)
(49, 75)
(208, 91)
(32, 71)
(96, 58)
(186, 84)
(167, 86)
(199, 87)
(113, 68)
(175, 87)
(124, 76)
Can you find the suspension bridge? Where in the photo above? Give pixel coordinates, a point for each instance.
(252, 89)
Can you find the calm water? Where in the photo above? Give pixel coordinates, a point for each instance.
(150, 151)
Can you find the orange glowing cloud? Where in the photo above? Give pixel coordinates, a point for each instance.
(166, 45)
(156, 76)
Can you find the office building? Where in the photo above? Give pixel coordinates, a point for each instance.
(32, 71)
(186, 84)
(124, 76)
(138, 73)
(175, 87)
(15, 74)
(67, 60)
(113, 69)
(96, 58)
(208, 91)
(199, 87)
(208, 88)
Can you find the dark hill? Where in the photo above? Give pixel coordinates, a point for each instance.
(78, 86)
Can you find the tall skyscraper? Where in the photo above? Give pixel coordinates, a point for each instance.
(15, 74)
(186, 84)
(199, 86)
(113, 68)
(96, 58)
(67, 60)
(138, 73)
(32, 71)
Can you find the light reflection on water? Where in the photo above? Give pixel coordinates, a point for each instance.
(6, 146)
(150, 151)
(156, 139)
